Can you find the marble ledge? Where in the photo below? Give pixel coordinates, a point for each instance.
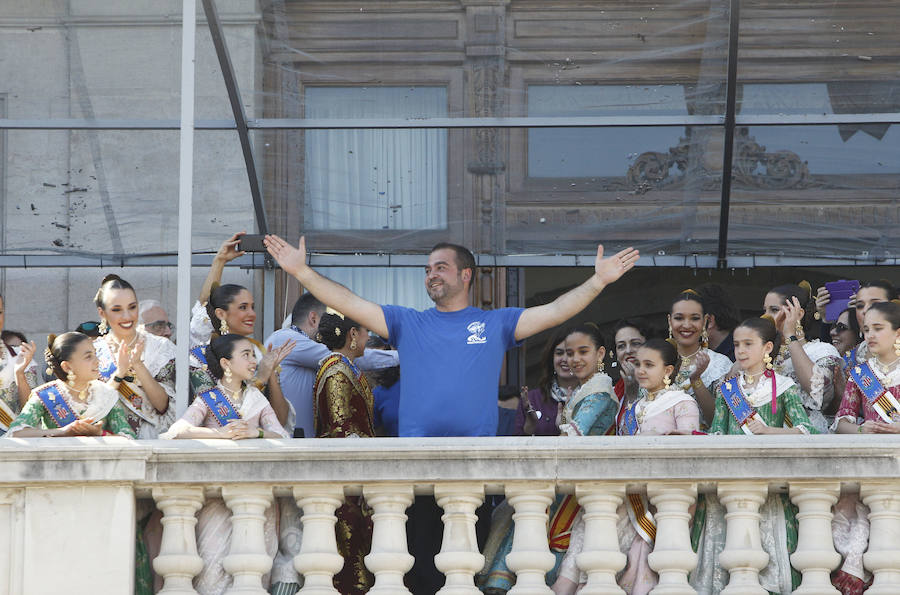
(424, 461)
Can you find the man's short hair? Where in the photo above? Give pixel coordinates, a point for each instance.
(305, 304)
(144, 306)
(464, 258)
(719, 303)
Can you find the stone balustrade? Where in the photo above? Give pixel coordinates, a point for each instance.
(68, 506)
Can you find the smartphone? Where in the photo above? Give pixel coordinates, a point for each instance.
(251, 243)
(840, 292)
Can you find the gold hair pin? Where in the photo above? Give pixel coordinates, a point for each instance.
(330, 310)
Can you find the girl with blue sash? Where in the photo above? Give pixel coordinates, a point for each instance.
(77, 403)
(229, 309)
(140, 365)
(871, 405)
(232, 410)
(589, 411)
(757, 401)
(659, 409)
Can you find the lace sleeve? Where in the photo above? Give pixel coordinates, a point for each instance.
(201, 327)
(821, 391)
(269, 422)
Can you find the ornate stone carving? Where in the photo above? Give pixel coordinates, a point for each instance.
(753, 167)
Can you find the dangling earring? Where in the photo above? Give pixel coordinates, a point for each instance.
(667, 381)
(670, 333)
(767, 359)
(798, 330)
(704, 338)
(353, 344)
(600, 365)
(103, 327)
(70, 378)
(228, 375)
(223, 328)
(897, 346)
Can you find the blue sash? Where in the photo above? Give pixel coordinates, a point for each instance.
(631, 424)
(849, 360)
(107, 361)
(869, 385)
(219, 405)
(199, 352)
(737, 402)
(56, 405)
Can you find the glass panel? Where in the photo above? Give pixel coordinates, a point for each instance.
(488, 54)
(89, 59)
(834, 189)
(94, 192)
(657, 188)
(222, 201)
(804, 59)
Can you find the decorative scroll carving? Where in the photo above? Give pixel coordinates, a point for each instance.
(753, 167)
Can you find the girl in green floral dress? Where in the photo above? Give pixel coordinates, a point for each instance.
(776, 408)
(77, 403)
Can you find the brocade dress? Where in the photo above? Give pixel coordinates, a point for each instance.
(778, 525)
(343, 408)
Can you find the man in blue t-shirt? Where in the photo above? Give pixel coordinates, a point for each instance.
(452, 353)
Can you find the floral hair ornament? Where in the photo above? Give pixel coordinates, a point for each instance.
(337, 329)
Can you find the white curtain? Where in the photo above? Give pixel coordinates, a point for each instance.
(402, 286)
(376, 179)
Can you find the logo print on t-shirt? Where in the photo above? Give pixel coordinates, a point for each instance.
(477, 337)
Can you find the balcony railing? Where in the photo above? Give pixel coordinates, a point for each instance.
(67, 506)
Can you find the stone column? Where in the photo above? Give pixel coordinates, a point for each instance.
(389, 559)
(743, 556)
(318, 560)
(601, 558)
(815, 556)
(459, 558)
(672, 557)
(11, 566)
(178, 562)
(883, 555)
(247, 560)
(530, 557)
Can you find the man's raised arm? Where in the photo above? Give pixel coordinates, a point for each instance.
(606, 271)
(335, 295)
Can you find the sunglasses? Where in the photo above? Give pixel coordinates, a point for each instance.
(840, 327)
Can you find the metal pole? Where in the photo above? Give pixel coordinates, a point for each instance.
(185, 204)
(728, 150)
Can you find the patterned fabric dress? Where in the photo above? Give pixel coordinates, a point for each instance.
(718, 366)
(101, 403)
(342, 408)
(590, 411)
(778, 526)
(827, 367)
(9, 390)
(850, 526)
(159, 359)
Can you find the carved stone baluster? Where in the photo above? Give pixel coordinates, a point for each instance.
(601, 558)
(11, 563)
(530, 557)
(883, 556)
(743, 555)
(247, 560)
(389, 559)
(318, 560)
(459, 558)
(672, 557)
(178, 562)
(815, 556)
